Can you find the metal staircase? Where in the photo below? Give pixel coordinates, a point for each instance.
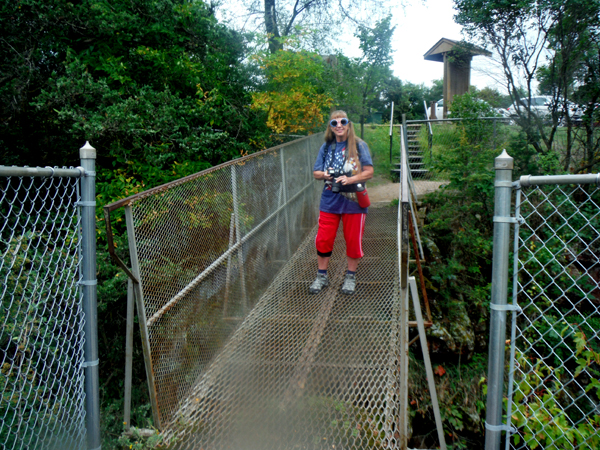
(415, 152)
(418, 170)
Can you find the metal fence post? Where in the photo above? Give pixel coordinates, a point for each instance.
(503, 165)
(238, 234)
(138, 295)
(391, 132)
(87, 154)
(285, 199)
(405, 136)
(128, 355)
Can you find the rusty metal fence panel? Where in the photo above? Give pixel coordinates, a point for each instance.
(41, 314)
(204, 249)
(554, 385)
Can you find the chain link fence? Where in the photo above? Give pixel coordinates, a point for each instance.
(556, 354)
(554, 364)
(42, 385)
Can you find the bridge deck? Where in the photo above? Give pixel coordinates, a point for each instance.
(307, 371)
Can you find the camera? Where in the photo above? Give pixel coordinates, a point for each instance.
(336, 187)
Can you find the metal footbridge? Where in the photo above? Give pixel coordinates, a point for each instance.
(238, 354)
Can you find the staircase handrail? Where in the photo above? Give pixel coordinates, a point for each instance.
(429, 132)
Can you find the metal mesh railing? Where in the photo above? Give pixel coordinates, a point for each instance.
(205, 248)
(554, 391)
(41, 319)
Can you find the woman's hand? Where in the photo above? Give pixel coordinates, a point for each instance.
(320, 175)
(366, 174)
(344, 180)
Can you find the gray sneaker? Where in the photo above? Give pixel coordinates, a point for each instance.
(349, 284)
(320, 282)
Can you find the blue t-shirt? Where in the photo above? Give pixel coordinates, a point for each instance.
(336, 203)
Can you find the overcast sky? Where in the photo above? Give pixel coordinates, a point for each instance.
(419, 27)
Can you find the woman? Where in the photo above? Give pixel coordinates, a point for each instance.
(344, 153)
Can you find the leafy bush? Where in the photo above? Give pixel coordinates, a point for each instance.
(542, 405)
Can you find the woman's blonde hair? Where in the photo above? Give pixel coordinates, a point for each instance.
(352, 139)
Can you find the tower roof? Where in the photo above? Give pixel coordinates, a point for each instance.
(444, 45)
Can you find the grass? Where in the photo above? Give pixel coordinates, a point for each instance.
(378, 140)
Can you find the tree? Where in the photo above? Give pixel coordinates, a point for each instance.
(492, 96)
(575, 40)
(342, 82)
(157, 86)
(517, 32)
(294, 99)
(325, 18)
(532, 35)
(376, 46)
(436, 91)
(408, 99)
(587, 94)
(358, 85)
(153, 81)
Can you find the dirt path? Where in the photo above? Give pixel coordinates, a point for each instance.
(382, 191)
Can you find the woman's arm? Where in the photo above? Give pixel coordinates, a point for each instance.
(320, 175)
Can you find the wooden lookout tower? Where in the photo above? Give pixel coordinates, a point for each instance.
(456, 57)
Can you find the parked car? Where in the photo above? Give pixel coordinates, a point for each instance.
(439, 109)
(502, 112)
(541, 106)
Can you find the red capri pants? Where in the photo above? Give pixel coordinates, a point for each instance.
(354, 226)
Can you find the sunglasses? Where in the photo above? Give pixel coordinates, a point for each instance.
(343, 122)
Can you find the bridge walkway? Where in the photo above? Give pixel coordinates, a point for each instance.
(307, 371)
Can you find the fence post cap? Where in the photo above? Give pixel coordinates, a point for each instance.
(504, 161)
(87, 151)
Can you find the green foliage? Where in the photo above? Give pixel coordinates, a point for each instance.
(158, 81)
(436, 91)
(293, 100)
(461, 395)
(327, 19)
(376, 47)
(356, 84)
(469, 107)
(342, 82)
(378, 140)
(541, 405)
(158, 87)
(408, 99)
(555, 43)
(459, 221)
(492, 96)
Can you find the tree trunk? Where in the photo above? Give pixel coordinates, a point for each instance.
(271, 26)
(362, 127)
